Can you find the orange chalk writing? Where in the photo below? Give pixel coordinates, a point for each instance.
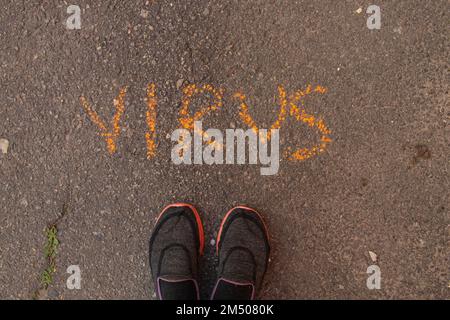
(113, 133)
(150, 136)
(295, 111)
(186, 119)
(248, 120)
(301, 115)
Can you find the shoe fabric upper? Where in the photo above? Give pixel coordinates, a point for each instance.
(243, 248)
(174, 247)
(176, 244)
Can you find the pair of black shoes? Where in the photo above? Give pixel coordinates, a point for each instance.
(178, 241)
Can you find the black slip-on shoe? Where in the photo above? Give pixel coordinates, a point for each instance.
(243, 249)
(176, 244)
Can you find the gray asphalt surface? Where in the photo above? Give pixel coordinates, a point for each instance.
(382, 185)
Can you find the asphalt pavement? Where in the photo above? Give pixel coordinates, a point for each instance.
(377, 194)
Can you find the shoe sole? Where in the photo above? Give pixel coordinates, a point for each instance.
(198, 220)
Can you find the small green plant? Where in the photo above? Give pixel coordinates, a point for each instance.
(52, 242)
(51, 252)
(51, 249)
(47, 277)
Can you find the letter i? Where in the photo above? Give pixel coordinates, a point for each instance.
(150, 136)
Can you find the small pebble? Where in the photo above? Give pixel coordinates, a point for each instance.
(373, 256)
(144, 13)
(180, 83)
(24, 202)
(398, 30)
(53, 294)
(4, 145)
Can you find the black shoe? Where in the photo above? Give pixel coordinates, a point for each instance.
(176, 244)
(243, 250)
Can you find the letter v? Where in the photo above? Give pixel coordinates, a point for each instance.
(111, 134)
